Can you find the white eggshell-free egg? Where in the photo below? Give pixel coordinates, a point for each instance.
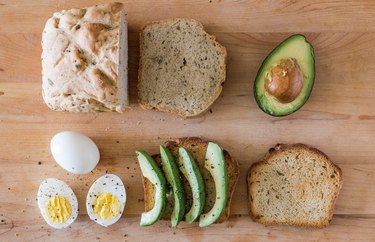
(75, 152)
(108, 183)
(53, 187)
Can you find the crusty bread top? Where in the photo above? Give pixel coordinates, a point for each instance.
(181, 68)
(294, 185)
(197, 148)
(80, 59)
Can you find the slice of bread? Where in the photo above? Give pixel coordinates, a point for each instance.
(85, 59)
(197, 148)
(294, 185)
(181, 68)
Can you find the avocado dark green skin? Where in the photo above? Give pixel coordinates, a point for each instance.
(265, 61)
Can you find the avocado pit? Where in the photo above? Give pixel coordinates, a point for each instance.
(284, 81)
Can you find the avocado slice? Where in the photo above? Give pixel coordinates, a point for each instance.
(172, 175)
(152, 172)
(286, 77)
(215, 164)
(190, 170)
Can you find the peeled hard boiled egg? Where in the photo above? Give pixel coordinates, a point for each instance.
(106, 200)
(57, 203)
(75, 152)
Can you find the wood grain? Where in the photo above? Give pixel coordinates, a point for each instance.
(339, 117)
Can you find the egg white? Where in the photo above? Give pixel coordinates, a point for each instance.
(108, 183)
(52, 187)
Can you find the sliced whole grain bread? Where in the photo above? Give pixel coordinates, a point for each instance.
(181, 68)
(294, 185)
(197, 148)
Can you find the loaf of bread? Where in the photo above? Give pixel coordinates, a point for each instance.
(85, 58)
(197, 148)
(181, 68)
(294, 185)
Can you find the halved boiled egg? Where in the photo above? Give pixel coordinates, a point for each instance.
(106, 199)
(57, 203)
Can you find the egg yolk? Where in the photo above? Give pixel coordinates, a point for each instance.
(106, 206)
(59, 209)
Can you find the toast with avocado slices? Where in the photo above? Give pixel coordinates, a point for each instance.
(197, 148)
(294, 185)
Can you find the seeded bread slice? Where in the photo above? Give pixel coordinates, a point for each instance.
(197, 148)
(84, 59)
(294, 185)
(181, 68)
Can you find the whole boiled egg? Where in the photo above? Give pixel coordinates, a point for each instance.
(75, 152)
(57, 203)
(106, 199)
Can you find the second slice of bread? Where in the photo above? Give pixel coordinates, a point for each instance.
(294, 185)
(181, 69)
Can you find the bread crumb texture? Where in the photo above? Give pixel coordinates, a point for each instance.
(80, 59)
(295, 185)
(182, 68)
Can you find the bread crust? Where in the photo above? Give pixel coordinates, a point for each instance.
(277, 150)
(199, 145)
(212, 38)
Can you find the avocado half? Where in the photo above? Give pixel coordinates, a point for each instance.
(299, 51)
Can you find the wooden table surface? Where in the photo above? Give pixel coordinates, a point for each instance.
(339, 117)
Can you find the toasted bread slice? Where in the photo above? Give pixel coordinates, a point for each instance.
(197, 148)
(181, 68)
(294, 185)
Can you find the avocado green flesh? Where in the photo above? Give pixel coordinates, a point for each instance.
(152, 172)
(295, 47)
(215, 164)
(190, 170)
(172, 175)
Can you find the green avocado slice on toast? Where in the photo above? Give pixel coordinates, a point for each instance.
(152, 172)
(215, 164)
(172, 175)
(190, 170)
